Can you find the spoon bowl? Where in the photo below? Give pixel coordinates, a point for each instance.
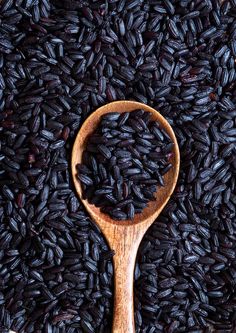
(170, 178)
(125, 236)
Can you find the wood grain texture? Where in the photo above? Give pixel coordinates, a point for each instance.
(124, 237)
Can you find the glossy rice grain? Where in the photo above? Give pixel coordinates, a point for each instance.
(110, 165)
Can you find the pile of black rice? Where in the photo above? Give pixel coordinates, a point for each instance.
(59, 61)
(124, 162)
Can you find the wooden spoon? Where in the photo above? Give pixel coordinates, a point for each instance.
(124, 237)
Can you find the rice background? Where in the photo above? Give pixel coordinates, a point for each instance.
(59, 61)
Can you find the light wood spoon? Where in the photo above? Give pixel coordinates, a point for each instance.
(124, 237)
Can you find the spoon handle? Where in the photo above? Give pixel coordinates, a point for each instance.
(126, 247)
(123, 317)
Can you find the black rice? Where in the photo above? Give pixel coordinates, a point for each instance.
(110, 167)
(59, 61)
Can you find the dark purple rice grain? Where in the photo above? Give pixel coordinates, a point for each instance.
(123, 170)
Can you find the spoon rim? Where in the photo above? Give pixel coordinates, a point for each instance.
(92, 209)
